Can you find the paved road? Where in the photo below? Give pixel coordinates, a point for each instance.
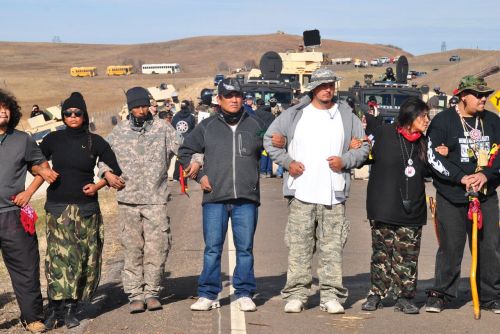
(109, 312)
(184, 265)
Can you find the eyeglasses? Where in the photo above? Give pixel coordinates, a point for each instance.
(478, 95)
(230, 95)
(77, 113)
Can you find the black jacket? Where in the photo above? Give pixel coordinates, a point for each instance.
(183, 122)
(387, 183)
(446, 128)
(231, 159)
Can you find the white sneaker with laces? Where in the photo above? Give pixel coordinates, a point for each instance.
(294, 306)
(332, 306)
(246, 304)
(204, 304)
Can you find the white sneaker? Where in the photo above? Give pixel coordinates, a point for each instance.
(246, 304)
(294, 306)
(333, 307)
(204, 304)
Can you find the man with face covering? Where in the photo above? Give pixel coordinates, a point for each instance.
(231, 141)
(142, 146)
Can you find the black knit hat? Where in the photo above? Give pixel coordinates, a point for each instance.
(137, 97)
(75, 100)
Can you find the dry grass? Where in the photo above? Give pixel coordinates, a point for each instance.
(39, 72)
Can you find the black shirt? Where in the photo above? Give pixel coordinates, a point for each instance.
(446, 128)
(74, 161)
(387, 182)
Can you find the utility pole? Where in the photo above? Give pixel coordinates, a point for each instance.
(443, 46)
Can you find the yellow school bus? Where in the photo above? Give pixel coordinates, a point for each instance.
(119, 70)
(83, 71)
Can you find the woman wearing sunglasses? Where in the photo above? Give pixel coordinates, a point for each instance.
(74, 221)
(396, 206)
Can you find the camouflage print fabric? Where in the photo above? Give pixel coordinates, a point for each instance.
(325, 227)
(144, 158)
(146, 240)
(394, 259)
(73, 260)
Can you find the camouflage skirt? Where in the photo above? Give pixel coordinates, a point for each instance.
(394, 259)
(73, 259)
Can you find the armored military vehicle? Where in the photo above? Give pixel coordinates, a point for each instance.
(297, 66)
(39, 127)
(270, 84)
(387, 95)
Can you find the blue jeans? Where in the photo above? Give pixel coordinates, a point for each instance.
(243, 215)
(266, 165)
(279, 171)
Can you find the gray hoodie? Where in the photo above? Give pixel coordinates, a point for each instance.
(286, 123)
(231, 158)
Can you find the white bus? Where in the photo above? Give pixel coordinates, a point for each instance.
(160, 68)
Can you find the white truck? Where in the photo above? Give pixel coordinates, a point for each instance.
(339, 61)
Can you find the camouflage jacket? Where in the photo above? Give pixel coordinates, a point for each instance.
(143, 157)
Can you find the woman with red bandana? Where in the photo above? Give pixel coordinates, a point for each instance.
(396, 206)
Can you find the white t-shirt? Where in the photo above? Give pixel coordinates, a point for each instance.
(319, 134)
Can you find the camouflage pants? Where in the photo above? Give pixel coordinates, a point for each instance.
(311, 225)
(74, 254)
(394, 259)
(146, 240)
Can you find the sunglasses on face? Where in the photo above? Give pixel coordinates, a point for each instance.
(231, 95)
(479, 96)
(68, 113)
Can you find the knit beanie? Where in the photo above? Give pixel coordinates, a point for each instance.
(75, 100)
(137, 97)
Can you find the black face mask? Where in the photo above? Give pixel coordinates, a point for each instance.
(139, 121)
(231, 118)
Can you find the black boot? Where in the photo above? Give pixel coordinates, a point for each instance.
(55, 316)
(373, 302)
(406, 305)
(70, 313)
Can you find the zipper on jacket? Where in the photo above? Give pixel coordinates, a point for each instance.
(234, 162)
(239, 143)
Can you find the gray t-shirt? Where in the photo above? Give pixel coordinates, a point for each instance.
(18, 152)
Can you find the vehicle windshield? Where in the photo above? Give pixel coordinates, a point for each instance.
(282, 97)
(382, 99)
(399, 99)
(40, 135)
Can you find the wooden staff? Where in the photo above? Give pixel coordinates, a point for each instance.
(432, 207)
(474, 206)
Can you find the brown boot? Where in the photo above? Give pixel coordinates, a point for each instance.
(35, 327)
(136, 306)
(153, 304)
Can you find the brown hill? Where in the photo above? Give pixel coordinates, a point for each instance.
(39, 72)
(449, 73)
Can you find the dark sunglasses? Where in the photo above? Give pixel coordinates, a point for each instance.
(478, 95)
(68, 113)
(230, 95)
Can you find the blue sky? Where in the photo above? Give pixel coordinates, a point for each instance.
(416, 26)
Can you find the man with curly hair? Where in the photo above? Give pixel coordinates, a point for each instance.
(19, 247)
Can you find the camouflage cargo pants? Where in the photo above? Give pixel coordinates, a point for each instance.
(74, 254)
(394, 259)
(146, 240)
(323, 226)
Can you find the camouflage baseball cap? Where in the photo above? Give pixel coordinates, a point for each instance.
(322, 76)
(470, 82)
